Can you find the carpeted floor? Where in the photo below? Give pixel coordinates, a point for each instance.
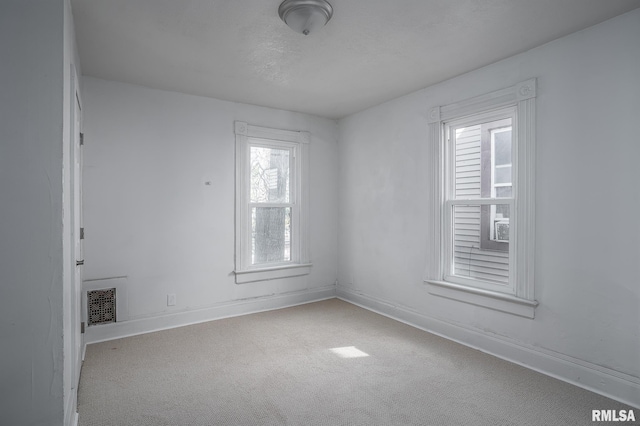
(324, 363)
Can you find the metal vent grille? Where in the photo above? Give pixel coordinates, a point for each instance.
(102, 306)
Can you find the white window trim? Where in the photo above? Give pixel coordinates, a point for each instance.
(522, 302)
(299, 264)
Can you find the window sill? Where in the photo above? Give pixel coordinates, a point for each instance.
(489, 299)
(272, 273)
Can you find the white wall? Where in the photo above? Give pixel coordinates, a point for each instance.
(587, 203)
(31, 222)
(150, 217)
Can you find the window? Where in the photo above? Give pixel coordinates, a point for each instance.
(478, 198)
(270, 201)
(482, 222)
(271, 197)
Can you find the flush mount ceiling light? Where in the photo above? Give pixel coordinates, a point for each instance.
(305, 16)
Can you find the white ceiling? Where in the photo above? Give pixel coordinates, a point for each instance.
(371, 50)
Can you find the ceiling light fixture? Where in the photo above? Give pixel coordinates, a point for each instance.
(305, 16)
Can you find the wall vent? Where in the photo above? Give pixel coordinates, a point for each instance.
(101, 306)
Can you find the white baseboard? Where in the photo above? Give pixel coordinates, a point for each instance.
(601, 380)
(101, 333)
(71, 413)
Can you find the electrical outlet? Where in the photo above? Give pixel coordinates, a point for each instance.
(171, 299)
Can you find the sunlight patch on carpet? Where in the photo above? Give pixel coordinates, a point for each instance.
(349, 352)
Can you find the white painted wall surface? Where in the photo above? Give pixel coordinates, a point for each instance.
(31, 221)
(150, 217)
(587, 203)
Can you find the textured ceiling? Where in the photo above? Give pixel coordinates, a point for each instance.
(371, 50)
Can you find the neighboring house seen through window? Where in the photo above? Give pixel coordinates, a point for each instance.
(496, 182)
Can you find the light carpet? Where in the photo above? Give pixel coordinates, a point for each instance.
(323, 363)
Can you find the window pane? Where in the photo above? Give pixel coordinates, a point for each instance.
(502, 146)
(471, 258)
(502, 175)
(271, 234)
(503, 191)
(269, 175)
(482, 158)
(467, 162)
(501, 155)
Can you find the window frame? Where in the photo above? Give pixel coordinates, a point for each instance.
(518, 297)
(297, 143)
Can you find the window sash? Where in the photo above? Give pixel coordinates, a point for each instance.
(279, 145)
(252, 205)
(449, 246)
(293, 245)
(480, 201)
